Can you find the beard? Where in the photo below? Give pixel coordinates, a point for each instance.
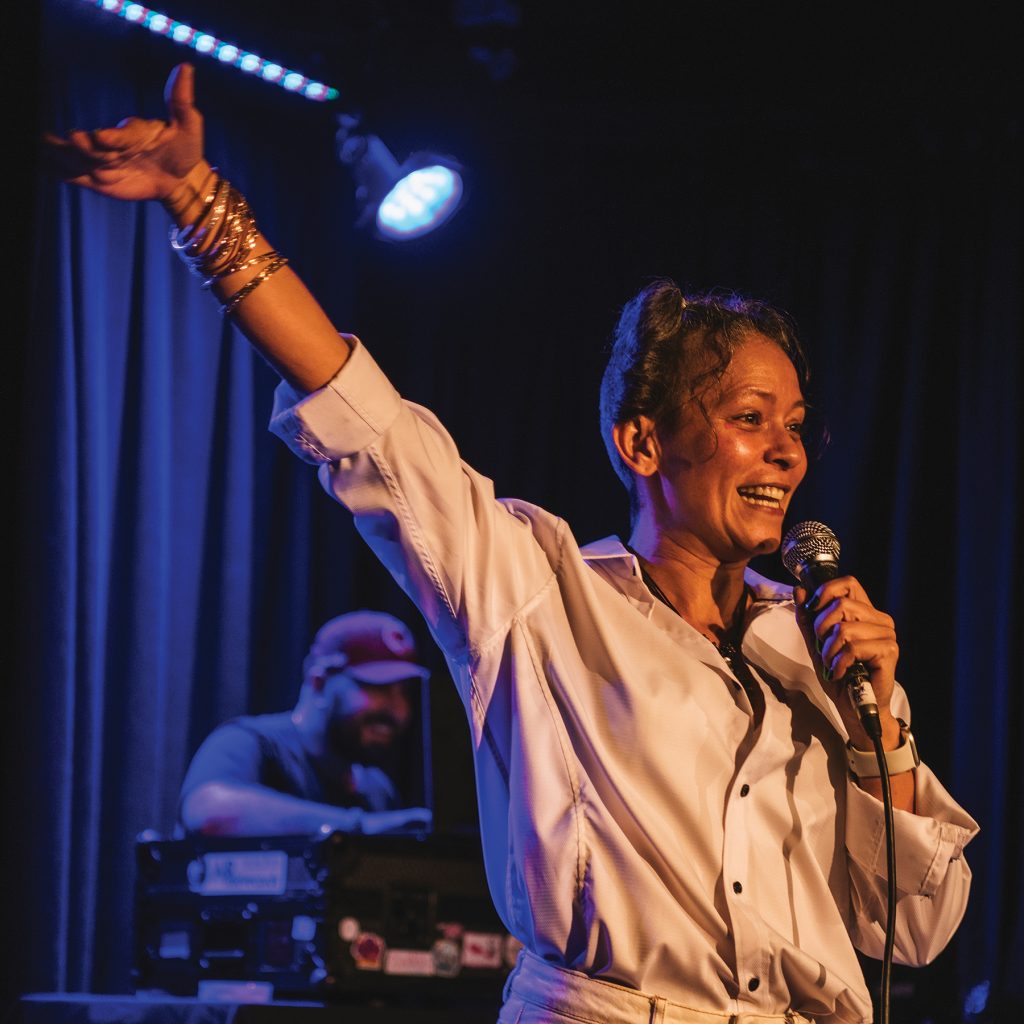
(370, 738)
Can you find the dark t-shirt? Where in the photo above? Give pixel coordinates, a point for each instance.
(266, 750)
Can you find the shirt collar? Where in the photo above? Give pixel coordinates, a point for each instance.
(609, 558)
(615, 560)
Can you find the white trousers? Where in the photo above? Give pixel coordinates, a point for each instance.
(539, 992)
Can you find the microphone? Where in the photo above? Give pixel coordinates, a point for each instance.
(810, 551)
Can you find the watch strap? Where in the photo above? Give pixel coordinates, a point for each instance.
(904, 758)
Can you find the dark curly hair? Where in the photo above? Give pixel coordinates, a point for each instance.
(668, 349)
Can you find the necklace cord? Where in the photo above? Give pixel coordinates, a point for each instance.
(734, 631)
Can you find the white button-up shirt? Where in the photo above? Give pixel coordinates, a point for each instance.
(637, 824)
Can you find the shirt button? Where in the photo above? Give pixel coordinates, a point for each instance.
(753, 983)
(744, 789)
(736, 887)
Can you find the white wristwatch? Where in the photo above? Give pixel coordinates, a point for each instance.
(904, 758)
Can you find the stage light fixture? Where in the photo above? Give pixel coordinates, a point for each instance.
(402, 200)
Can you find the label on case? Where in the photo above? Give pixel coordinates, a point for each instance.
(447, 956)
(240, 873)
(418, 962)
(368, 951)
(175, 945)
(481, 949)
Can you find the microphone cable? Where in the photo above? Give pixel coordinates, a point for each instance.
(873, 728)
(885, 986)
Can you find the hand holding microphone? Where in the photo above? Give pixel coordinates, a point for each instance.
(852, 642)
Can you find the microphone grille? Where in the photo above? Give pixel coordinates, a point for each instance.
(806, 542)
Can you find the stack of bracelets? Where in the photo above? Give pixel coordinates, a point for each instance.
(220, 240)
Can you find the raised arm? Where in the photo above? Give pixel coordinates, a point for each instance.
(469, 561)
(162, 161)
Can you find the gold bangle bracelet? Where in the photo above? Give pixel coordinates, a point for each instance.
(232, 304)
(253, 261)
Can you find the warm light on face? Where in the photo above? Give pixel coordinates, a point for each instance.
(727, 473)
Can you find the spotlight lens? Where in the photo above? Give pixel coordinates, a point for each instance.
(420, 202)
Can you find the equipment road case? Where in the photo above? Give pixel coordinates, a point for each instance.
(329, 917)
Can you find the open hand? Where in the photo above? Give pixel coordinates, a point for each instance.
(139, 159)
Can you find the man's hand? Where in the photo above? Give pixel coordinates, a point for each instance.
(139, 159)
(404, 819)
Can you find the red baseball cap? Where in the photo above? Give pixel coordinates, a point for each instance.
(373, 647)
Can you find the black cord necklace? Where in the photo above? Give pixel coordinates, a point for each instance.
(728, 643)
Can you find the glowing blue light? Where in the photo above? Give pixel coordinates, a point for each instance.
(977, 999)
(419, 202)
(226, 53)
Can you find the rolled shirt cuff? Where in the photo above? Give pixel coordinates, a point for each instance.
(927, 841)
(343, 417)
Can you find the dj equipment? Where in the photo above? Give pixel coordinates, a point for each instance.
(330, 917)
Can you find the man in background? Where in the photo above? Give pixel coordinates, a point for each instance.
(324, 764)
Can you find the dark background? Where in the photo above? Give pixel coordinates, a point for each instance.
(860, 168)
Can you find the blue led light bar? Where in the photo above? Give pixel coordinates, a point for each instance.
(218, 49)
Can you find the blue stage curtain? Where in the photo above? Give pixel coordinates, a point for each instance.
(162, 529)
